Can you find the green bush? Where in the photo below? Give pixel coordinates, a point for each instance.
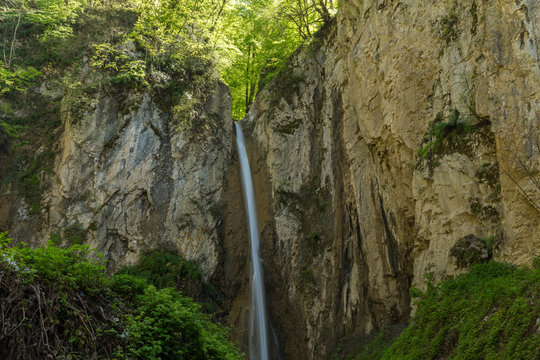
(63, 305)
(17, 79)
(491, 312)
(163, 268)
(169, 269)
(77, 267)
(169, 326)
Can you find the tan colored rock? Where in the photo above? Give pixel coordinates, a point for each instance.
(359, 215)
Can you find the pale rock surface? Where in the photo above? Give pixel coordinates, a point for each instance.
(358, 215)
(132, 179)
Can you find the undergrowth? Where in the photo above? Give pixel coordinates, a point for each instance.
(492, 312)
(489, 313)
(58, 303)
(166, 268)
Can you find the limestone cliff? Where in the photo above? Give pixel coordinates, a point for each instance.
(405, 127)
(126, 177)
(402, 143)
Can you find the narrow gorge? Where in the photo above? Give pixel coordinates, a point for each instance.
(401, 144)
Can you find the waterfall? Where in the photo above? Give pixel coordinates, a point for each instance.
(258, 337)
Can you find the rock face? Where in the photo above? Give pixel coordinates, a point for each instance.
(127, 178)
(411, 126)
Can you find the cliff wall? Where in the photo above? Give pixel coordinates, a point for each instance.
(403, 142)
(125, 177)
(403, 128)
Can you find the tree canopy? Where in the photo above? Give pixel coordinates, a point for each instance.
(248, 41)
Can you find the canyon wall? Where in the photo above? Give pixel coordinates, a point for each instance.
(402, 144)
(125, 178)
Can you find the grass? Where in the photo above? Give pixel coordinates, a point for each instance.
(451, 130)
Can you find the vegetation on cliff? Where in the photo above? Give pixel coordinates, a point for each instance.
(167, 44)
(58, 303)
(57, 59)
(492, 312)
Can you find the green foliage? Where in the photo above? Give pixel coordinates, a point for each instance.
(489, 313)
(16, 79)
(415, 292)
(125, 69)
(55, 239)
(367, 347)
(163, 268)
(376, 347)
(258, 37)
(449, 25)
(167, 45)
(128, 286)
(439, 130)
(488, 241)
(30, 183)
(536, 262)
(64, 268)
(75, 234)
(473, 11)
(64, 306)
(169, 269)
(169, 326)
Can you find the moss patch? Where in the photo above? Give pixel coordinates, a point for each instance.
(449, 25)
(288, 127)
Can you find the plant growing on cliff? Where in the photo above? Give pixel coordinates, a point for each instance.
(16, 78)
(125, 69)
(168, 268)
(491, 312)
(448, 25)
(439, 130)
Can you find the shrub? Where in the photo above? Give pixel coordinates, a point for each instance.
(57, 304)
(169, 326)
(163, 268)
(60, 304)
(167, 268)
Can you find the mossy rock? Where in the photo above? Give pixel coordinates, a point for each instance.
(469, 250)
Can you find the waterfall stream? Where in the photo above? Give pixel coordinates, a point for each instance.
(258, 337)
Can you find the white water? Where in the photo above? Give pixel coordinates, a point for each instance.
(258, 337)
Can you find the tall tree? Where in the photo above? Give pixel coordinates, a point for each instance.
(258, 36)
